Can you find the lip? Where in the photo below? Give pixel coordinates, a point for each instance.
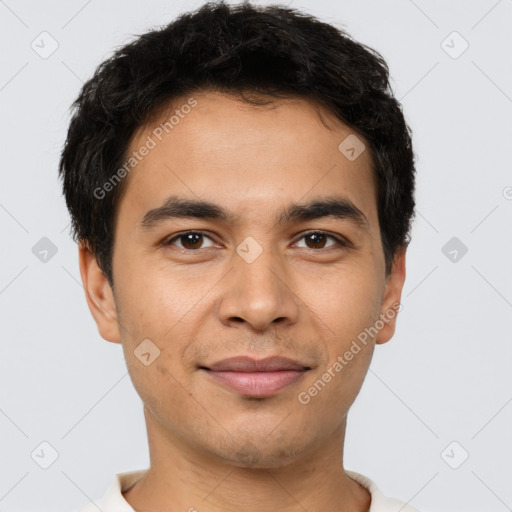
(257, 378)
(248, 364)
(257, 384)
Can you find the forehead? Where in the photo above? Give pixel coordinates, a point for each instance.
(219, 148)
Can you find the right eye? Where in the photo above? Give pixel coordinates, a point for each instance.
(189, 240)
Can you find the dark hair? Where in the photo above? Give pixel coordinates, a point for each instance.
(271, 51)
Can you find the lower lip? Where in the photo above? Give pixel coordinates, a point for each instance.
(257, 384)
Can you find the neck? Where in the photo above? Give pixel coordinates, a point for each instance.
(184, 478)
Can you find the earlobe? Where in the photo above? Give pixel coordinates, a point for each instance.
(392, 295)
(99, 295)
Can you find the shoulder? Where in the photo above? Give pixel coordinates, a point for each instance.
(379, 503)
(113, 500)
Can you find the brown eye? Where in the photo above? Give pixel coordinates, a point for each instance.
(190, 240)
(318, 240)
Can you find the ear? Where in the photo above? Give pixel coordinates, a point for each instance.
(99, 295)
(391, 298)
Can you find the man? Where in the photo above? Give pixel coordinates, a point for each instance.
(241, 188)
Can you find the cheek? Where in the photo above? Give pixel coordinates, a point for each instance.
(159, 321)
(153, 351)
(346, 308)
(153, 303)
(159, 386)
(346, 301)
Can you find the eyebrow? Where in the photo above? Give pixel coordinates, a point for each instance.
(180, 207)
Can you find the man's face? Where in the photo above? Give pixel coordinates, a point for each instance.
(256, 283)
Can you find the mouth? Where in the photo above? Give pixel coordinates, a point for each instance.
(256, 378)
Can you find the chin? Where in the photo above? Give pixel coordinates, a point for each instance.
(260, 454)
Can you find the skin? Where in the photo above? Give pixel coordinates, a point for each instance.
(212, 448)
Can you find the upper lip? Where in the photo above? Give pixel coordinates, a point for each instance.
(248, 364)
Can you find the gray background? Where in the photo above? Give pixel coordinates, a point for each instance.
(444, 378)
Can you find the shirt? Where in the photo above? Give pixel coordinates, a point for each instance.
(113, 500)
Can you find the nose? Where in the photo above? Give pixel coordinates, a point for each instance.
(258, 293)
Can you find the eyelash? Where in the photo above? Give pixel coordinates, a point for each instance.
(339, 241)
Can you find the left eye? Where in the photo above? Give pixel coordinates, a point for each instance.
(318, 238)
